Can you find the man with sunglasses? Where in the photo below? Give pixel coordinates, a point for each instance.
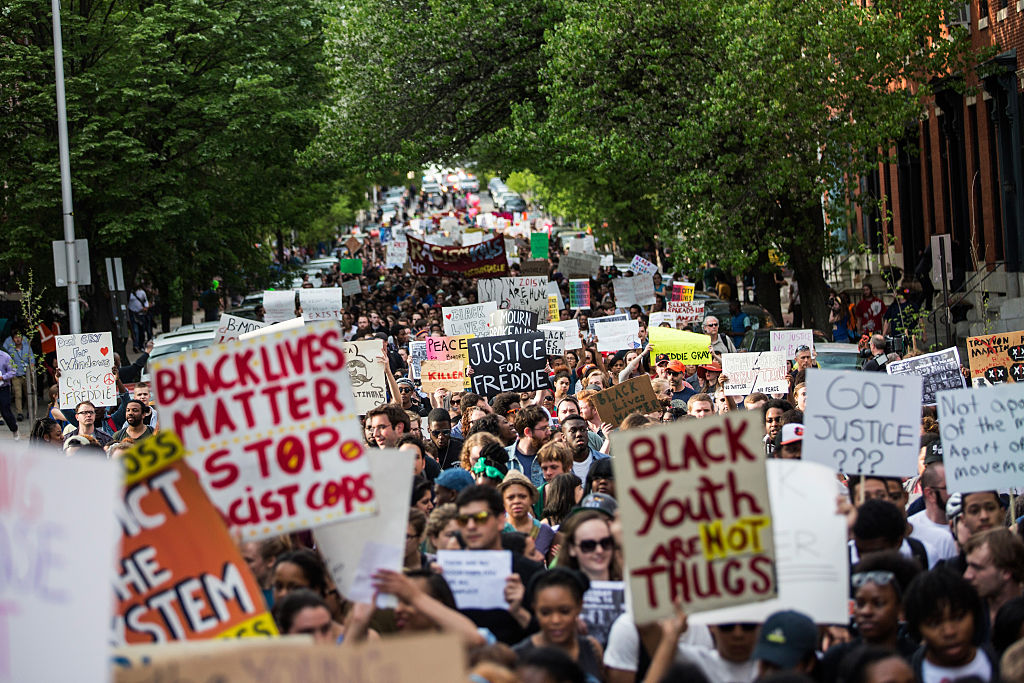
(410, 400)
(719, 343)
(439, 425)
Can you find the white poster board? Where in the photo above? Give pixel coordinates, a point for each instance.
(321, 304)
(366, 369)
(687, 311)
(787, 341)
(750, 372)
(637, 290)
(476, 577)
(86, 363)
(278, 306)
(397, 253)
(572, 332)
(641, 265)
(351, 288)
(469, 319)
(617, 335)
(232, 327)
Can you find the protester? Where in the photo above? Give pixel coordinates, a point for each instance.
(588, 546)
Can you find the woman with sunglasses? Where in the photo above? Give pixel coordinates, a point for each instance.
(589, 546)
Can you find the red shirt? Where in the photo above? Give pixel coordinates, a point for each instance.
(869, 314)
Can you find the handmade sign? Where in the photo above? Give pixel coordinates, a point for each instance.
(365, 363)
(352, 266)
(86, 363)
(863, 422)
(476, 577)
(787, 341)
(687, 347)
(354, 245)
(554, 291)
(576, 263)
(232, 326)
(582, 244)
(682, 291)
(640, 265)
(662, 318)
(554, 339)
(939, 371)
(635, 395)
(538, 245)
(603, 602)
(512, 321)
(996, 358)
(634, 291)
(469, 319)
(696, 517)
(180, 575)
(513, 363)
(58, 541)
(617, 335)
(351, 288)
(751, 372)
(397, 254)
(293, 324)
(417, 354)
(442, 374)
(524, 293)
(486, 259)
(553, 314)
(687, 311)
(579, 294)
(981, 437)
(272, 429)
(571, 329)
(592, 323)
(321, 304)
(535, 267)
(278, 306)
(450, 348)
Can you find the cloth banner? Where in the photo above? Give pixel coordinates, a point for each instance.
(486, 259)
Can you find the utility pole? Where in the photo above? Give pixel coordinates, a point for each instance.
(67, 208)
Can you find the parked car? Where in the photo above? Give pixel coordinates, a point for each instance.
(185, 338)
(515, 203)
(469, 184)
(759, 316)
(832, 356)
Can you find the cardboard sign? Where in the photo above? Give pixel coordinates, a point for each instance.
(996, 358)
(750, 372)
(271, 428)
(635, 395)
(352, 266)
(450, 348)
(863, 422)
(278, 306)
(687, 311)
(321, 304)
(939, 371)
(576, 263)
(486, 259)
(637, 290)
(472, 319)
(417, 354)
(682, 291)
(981, 437)
(811, 555)
(180, 575)
(86, 363)
(603, 602)
(523, 293)
(442, 374)
(696, 517)
(232, 326)
(688, 348)
(354, 245)
(513, 363)
(640, 266)
(787, 341)
(365, 363)
(537, 267)
(539, 245)
(514, 321)
(571, 329)
(351, 288)
(58, 541)
(579, 294)
(617, 335)
(476, 577)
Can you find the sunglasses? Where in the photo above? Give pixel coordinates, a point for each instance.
(748, 627)
(880, 578)
(478, 517)
(440, 432)
(803, 347)
(405, 390)
(590, 545)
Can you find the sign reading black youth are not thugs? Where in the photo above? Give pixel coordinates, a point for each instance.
(508, 363)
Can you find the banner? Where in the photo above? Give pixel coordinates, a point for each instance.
(524, 293)
(634, 291)
(939, 371)
(539, 245)
(278, 306)
(642, 266)
(58, 543)
(617, 335)
(981, 437)
(696, 517)
(486, 259)
(682, 291)
(397, 254)
(417, 354)
(787, 341)
(271, 428)
(752, 372)
(442, 374)
(571, 329)
(450, 348)
(689, 348)
(575, 263)
(579, 294)
(231, 326)
(321, 304)
(512, 321)
(180, 575)
(86, 363)
(635, 395)
(863, 422)
(469, 319)
(687, 311)
(513, 363)
(996, 358)
(365, 363)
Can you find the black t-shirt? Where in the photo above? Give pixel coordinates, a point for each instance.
(500, 622)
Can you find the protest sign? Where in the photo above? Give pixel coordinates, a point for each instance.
(863, 422)
(996, 358)
(662, 317)
(86, 363)
(682, 291)
(265, 422)
(582, 244)
(536, 267)
(640, 265)
(635, 395)
(58, 542)
(634, 291)
(787, 341)
(450, 348)
(486, 259)
(553, 313)
(417, 354)
(232, 326)
(397, 253)
(293, 324)
(617, 335)
(593, 322)
(554, 291)
(476, 577)
(352, 266)
(384, 234)
(180, 575)
(469, 319)
(354, 245)
(939, 371)
(688, 348)
(687, 311)
(579, 294)
(512, 363)
(365, 363)
(278, 306)
(982, 437)
(351, 288)
(576, 263)
(538, 245)
(696, 518)
(751, 372)
(603, 602)
(442, 374)
(571, 328)
(471, 238)
(554, 339)
(512, 321)
(355, 549)
(396, 660)
(321, 304)
(523, 293)
(811, 555)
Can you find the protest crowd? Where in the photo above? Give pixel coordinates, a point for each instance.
(576, 471)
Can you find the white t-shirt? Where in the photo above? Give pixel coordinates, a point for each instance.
(717, 669)
(936, 535)
(581, 469)
(623, 649)
(979, 666)
(905, 551)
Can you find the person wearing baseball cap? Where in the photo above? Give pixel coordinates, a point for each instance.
(789, 442)
(787, 642)
(675, 373)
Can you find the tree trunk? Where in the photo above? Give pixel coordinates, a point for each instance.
(766, 292)
(807, 261)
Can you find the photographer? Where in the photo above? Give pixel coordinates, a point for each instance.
(878, 359)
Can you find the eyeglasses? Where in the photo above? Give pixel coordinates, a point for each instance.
(590, 545)
(478, 517)
(86, 412)
(748, 627)
(710, 324)
(881, 578)
(440, 432)
(405, 390)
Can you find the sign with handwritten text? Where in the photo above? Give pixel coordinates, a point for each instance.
(996, 358)
(366, 369)
(522, 293)
(321, 304)
(749, 372)
(86, 363)
(232, 327)
(472, 319)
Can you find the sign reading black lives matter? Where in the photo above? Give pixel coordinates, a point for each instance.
(510, 363)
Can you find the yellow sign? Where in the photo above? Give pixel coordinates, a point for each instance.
(687, 347)
(553, 314)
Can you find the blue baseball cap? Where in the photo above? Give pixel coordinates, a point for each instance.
(455, 479)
